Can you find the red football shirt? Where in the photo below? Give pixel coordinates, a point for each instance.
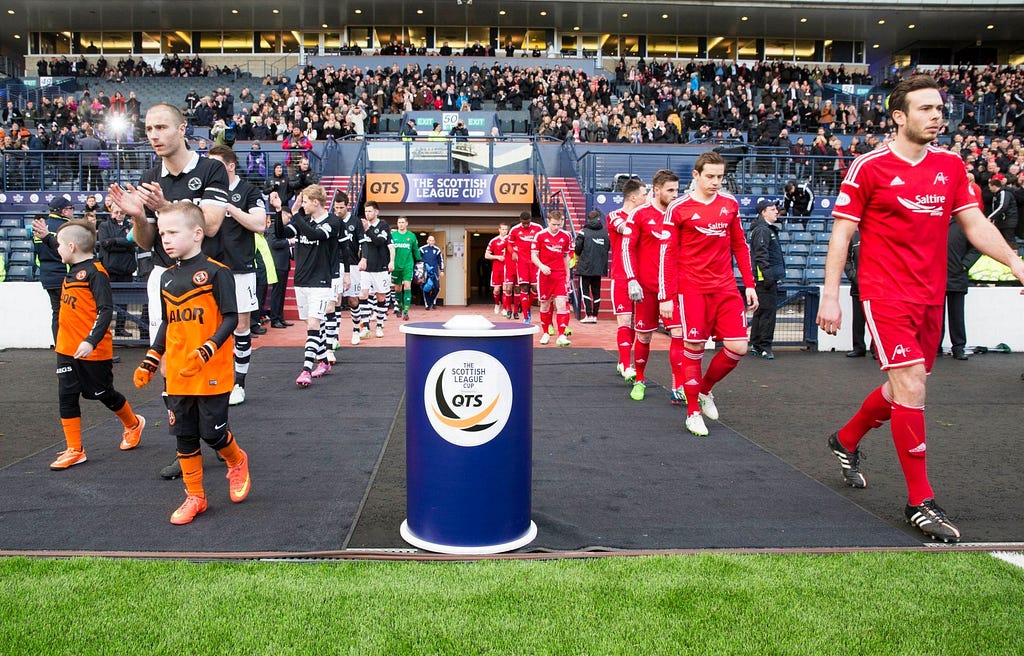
(496, 246)
(551, 249)
(710, 236)
(903, 209)
(616, 218)
(649, 251)
(522, 239)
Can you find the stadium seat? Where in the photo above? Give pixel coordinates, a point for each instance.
(22, 257)
(5, 247)
(816, 261)
(785, 237)
(819, 249)
(11, 222)
(22, 245)
(814, 276)
(795, 261)
(796, 249)
(803, 237)
(821, 237)
(816, 226)
(19, 233)
(794, 277)
(20, 273)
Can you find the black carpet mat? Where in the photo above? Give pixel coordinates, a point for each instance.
(311, 453)
(328, 462)
(613, 473)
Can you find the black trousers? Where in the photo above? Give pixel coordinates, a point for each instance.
(762, 325)
(955, 317)
(591, 287)
(54, 295)
(277, 295)
(858, 322)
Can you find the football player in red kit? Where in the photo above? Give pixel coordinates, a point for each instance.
(521, 238)
(902, 197)
(634, 193)
(710, 237)
(647, 243)
(496, 254)
(551, 249)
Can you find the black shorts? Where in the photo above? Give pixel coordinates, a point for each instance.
(90, 378)
(205, 416)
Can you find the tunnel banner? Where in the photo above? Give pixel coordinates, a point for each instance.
(450, 188)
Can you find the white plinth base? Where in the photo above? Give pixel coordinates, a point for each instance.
(420, 543)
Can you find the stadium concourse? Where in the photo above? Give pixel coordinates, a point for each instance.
(610, 475)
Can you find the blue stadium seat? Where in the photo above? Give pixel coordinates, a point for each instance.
(794, 277)
(22, 257)
(816, 261)
(22, 245)
(819, 249)
(816, 226)
(821, 237)
(5, 247)
(20, 273)
(795, 261)
(785, 237)
(19, 233)
(814, 276)
(11, 222)
(803, 237)
(796, 249)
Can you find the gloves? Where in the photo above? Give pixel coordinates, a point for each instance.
(636, 292)
(198, 358)
(144, 372)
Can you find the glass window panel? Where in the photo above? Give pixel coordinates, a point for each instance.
(54, 43)
(516, 35)
(569, 44)
(115, 42)
(629, 45)
(359, 36)
(661, 46)
(780, 49)
(290, 41)
(803, 50)
(481, 35)
(417, 36)
(747, 49)
(591, 42)
(179, 42)
(268, 42)
(90, 42)
(238, 42)
(208, 42)
(721, 47)
(455, 35)
(688, 46)
(536, 40)
(311, 41)
(609, 45)
(150, 42)
(386, 35)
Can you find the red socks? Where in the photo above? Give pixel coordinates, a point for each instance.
(691, 377)
(876, 409)
(641, 352)
(675, 359)
(723, 362)
(908, 434)
(624, 338)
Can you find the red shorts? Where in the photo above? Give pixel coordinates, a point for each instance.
(621, 304)
(719, 315)
(646, 314)
(497, 273)
(905, 333)
(552, 286)
(526, 272)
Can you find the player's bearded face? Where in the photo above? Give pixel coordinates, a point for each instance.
(923, 117)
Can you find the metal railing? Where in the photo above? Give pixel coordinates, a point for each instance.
(95, 170)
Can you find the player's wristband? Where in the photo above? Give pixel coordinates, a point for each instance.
(207, 350)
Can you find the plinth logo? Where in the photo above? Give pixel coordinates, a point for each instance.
(468, 397)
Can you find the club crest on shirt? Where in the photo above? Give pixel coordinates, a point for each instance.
(200, 277)
(195, 184)
(81, 275)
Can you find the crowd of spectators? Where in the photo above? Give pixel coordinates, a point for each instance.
(661, 101)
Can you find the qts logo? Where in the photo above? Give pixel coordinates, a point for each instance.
(468, 398)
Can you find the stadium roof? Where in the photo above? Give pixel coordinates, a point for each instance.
(945, 21)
